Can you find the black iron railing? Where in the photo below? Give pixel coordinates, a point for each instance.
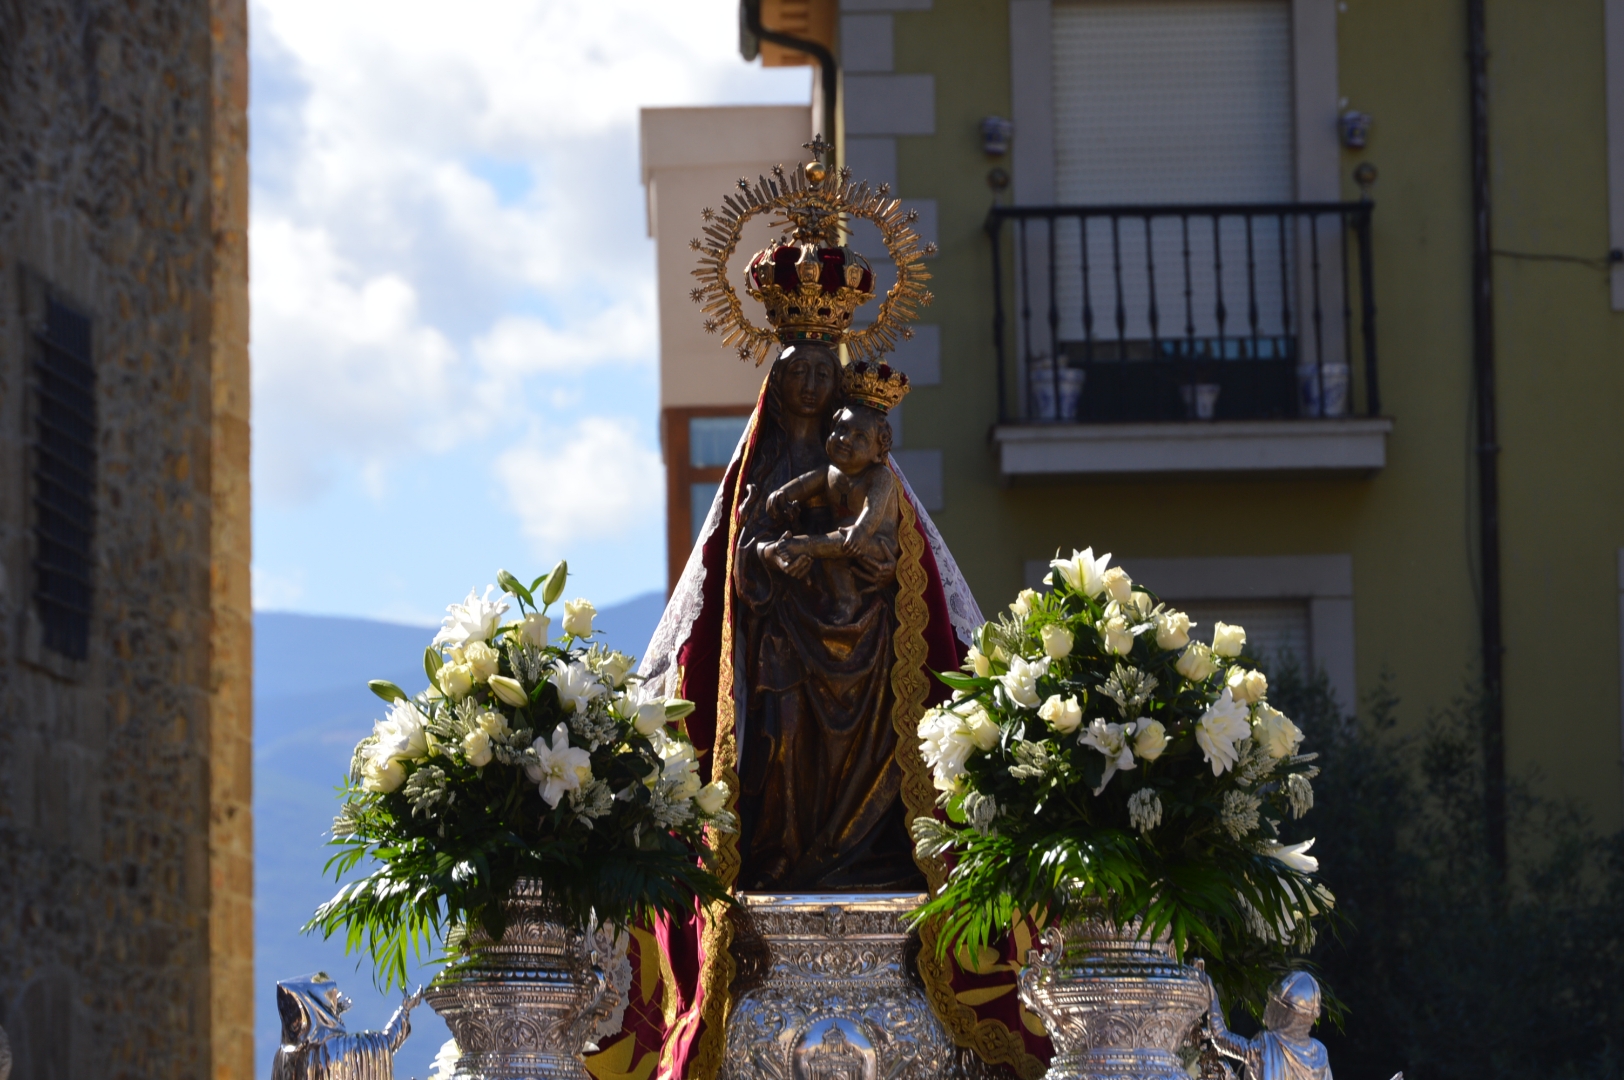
(1220, 312)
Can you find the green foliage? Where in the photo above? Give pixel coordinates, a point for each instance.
(1447, 972)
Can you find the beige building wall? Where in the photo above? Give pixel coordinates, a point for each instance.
(126, 883)
(691, 158)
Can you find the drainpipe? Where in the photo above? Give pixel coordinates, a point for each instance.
(829, 71)
(1488, 448)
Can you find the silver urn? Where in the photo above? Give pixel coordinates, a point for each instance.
(528, 1006)
(825, 993)
(1117, 1007)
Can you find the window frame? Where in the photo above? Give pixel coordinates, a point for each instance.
(680, 474)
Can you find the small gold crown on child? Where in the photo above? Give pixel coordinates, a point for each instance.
(878, 386)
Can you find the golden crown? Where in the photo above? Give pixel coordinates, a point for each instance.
(810, 283)
(878, 386)
(810, 291)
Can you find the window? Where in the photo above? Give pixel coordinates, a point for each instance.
(712, 439)
(64, 478)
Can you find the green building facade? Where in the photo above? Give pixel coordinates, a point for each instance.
(1348, 534)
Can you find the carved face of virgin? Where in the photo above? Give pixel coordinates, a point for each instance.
(857, 440)
(808, 386)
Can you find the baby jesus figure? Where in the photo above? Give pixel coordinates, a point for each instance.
(863, 494)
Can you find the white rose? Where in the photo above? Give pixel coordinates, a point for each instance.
(1115, 636)
(455, 680)
(1024, 600)
(978, 663)
(615, 667)
(476, 747)
(1278, 736)
(1083, 571)
(1021, 681)
(1172, 630)
(382, 774)
(1057, 642)
(493, 724)
(1142, 604)
(508, 691)
(578, 616)
(1063, 715)
(481, 659)
(983, 732)
(712, 797)
(1118, 584)
(1247, 686)
(1150, 740)
(1228, 640)
(1197, 663)
(534, 629)
(650, 717)
(946, 746)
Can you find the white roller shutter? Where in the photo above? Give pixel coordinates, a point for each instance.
(1172, 101)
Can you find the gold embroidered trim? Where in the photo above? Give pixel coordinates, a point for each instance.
(910, 683)
(717, 971)
(992, 1039)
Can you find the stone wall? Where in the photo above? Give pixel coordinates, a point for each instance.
(125, 833)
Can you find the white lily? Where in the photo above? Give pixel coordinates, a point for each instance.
(1083, 571)
(577, 686)
(1294, 855)
(401, 735)
(1224, 724)
(560, 768)
(475, 619)
(1112, 741)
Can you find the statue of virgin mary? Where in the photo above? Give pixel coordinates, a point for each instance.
(808, 681)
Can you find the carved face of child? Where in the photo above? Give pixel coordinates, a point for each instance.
(861, 437)
(810, 377)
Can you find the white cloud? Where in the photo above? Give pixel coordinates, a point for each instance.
(595, 481)
(519, 345)
(346, 364)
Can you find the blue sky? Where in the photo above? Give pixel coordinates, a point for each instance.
(454, 329)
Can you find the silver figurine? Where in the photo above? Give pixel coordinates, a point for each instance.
(315, 1045)
(1284, 1050)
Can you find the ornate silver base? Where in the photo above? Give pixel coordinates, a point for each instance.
(525, 1007)
(1117, 1008)
(832, 997)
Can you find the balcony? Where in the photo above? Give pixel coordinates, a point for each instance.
(1186, 341)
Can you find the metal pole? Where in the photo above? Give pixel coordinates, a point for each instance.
(1488, 448)
(829, 70)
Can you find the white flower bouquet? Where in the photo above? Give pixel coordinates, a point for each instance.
(524, 758)
(1095, 757)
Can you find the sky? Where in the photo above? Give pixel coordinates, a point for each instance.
(453, 317)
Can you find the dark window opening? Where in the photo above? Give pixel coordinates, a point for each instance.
(64, 478)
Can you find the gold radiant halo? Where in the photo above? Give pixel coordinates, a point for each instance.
(814, 211)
